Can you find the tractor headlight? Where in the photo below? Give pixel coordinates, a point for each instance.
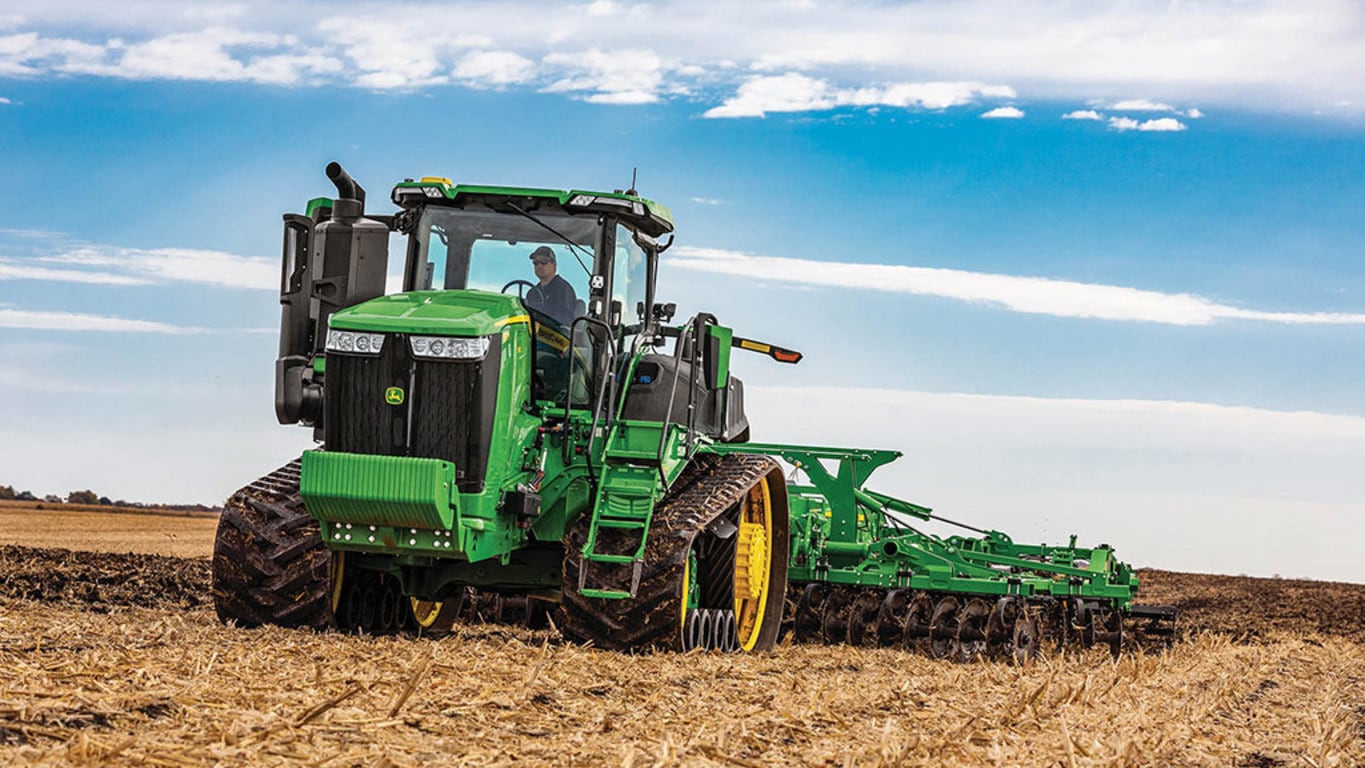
(355, 342)
(448, 347)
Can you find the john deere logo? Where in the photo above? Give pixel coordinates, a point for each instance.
(393, 395)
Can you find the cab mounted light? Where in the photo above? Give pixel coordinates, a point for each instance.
(780, 354)
(402, 194)
(583, 201)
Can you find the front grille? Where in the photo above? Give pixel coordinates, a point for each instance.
(447, 410)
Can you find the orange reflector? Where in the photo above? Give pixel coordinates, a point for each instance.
(786, 355)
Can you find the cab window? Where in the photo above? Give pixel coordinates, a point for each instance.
(630, 274)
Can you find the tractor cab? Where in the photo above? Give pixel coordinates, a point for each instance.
(581, 264)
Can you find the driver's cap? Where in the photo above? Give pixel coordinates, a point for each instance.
(543, 252)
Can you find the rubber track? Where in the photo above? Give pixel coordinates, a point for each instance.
(707, 488)
(270, 565)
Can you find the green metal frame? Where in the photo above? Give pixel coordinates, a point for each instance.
(843, 533)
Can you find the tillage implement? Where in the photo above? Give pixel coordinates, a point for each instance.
(522, 432)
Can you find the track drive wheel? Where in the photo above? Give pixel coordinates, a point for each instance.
(270, 565)
(735, 570)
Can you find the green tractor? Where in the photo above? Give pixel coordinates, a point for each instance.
(524, 428)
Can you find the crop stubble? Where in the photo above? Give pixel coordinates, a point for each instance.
(138, 670)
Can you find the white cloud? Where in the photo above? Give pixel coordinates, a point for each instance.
(73, 321)
(4, 100)
(1141, 105)
(603, 8)
(1083, 114)
(1193, 113)
(192, 56)
(52, 256)
(796, 92)
(28, 54)
(932, 95)
(1007, 113)
(493, 69)
(1157, 124)
(706, 201)
(608, 77)
(12, 271)
(1262, 54)
(792, 92)
(388, 53)
(1162, 124)
(177, 265)
(1032, 295)
(212, 54)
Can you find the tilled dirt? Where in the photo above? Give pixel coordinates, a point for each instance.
(1247, 607)
(97, 580)
(1242, 607)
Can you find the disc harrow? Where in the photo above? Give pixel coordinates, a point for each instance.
(961, 628)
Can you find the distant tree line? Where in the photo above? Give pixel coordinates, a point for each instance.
(90, 498)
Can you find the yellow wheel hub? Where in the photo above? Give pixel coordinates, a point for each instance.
(426, 612)
(751, 561)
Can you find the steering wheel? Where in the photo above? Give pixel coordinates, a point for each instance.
(520, 284)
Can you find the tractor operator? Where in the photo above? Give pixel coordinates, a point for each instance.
(553, 295)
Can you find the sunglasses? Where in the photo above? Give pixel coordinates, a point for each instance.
(542, 261)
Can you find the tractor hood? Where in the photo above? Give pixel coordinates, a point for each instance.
(441, 313)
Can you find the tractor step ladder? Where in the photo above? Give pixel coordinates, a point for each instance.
(624, 508)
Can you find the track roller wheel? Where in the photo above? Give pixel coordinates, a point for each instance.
(710, 629)
(697, 629)
(367, 618)
(392, 611)
(724, 637)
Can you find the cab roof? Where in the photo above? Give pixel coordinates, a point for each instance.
(653, 218)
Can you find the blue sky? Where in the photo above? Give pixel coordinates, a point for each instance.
(1140, 322)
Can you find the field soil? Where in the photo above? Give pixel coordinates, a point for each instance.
(107, 529)
(119, 659)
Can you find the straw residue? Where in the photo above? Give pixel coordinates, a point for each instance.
(171, 686)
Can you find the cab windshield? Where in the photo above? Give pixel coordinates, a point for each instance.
(456, 248)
